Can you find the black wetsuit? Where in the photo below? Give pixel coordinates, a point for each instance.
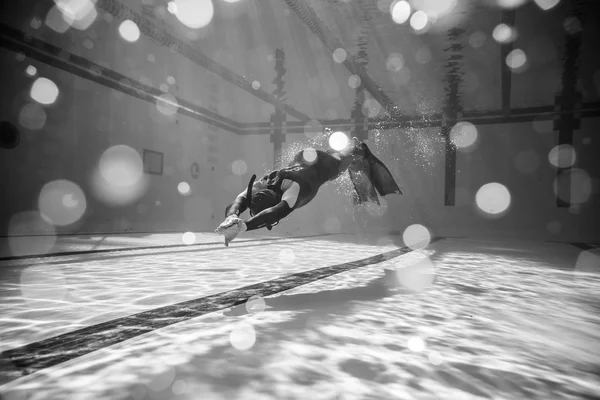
(310, 176)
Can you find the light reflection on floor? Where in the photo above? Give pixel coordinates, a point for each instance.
(500, 320)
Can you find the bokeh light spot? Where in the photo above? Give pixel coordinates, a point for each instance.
(56, 21)
(44, 91)
(416, 344)
(516, 59)
(493, 198)
(79, 14)
(463, 135)
(435, 358)
(129, 31)
(119, 178)
(142, 208)
(239, 167)
(167, 104)
(287, 256)
(188, 238)
(194, 13)
(416, 236)
(477, 39)
(32, 116)
(255, 304)
(503, 33)
(255, 85)
(371, 108)
(171, 80)
(35, 23)
(338, 141)
(419, 20)
(394, 62)
(62, 202)
(179, 387)
(313, 128)
(572, 25)
(31, 70)
(400, 11)
(415, 274)
(547, 4)
(542, 126)
(510, 3)
(435, 8)
(573, 186)
(423, 55)
(172, 7)
(309, 155)
(184, 188)
(354, 81)
(163, 379)
(243, 336)
(562, 156)
(587, 263)
(339, 55)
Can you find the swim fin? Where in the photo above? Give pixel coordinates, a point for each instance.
(371, 174)
(359, 176)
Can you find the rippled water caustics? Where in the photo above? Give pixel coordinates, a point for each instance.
(457, 319)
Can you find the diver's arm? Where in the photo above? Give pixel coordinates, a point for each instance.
(269, 216)
(239, 205)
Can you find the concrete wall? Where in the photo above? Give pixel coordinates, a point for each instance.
(88, 119)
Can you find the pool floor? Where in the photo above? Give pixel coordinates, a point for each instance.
(320, 317)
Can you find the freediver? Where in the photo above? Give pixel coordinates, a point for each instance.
(282, 191)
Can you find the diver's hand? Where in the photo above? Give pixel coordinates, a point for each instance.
(231, 227)
(229, 221)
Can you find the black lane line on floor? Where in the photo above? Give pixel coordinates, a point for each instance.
(585, 246)
(47, 353)
(166, 246)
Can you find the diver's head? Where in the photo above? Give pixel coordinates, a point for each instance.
(262, 200)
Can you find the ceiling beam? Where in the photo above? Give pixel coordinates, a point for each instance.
(484, 117)
(192, 53)
(312, 21)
